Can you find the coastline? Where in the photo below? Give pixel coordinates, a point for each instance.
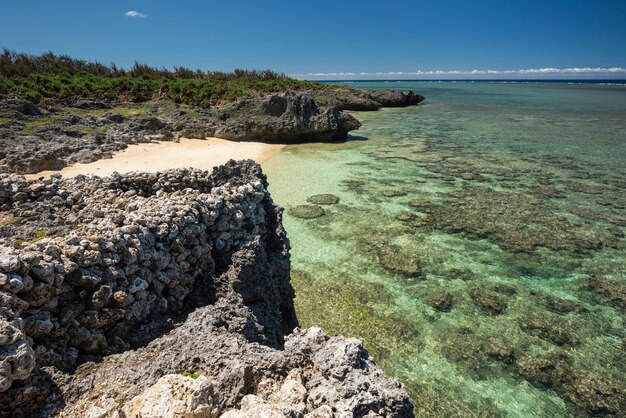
(165, 155)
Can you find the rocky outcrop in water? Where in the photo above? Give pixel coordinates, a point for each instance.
(147, 294)
(289, 116)
(366, 100)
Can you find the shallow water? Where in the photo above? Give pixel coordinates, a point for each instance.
(509, 197)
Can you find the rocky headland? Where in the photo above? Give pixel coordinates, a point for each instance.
(165, 294)
(36, 138)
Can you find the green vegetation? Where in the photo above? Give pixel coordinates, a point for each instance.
(38, 235)
(49, 77)
(193, 375)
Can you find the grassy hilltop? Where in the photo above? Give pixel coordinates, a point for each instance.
(47, 78)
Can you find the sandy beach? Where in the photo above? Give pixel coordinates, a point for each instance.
(159, 156)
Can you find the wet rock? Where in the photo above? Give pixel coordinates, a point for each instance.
(421, 204)
(306, 211)
(488, 300)
(441, 300)
(323, 199)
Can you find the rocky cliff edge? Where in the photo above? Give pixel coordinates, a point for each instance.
(165, 295)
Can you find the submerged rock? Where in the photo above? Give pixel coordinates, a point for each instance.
(306, 211)
(323, 199)
(405, 217)
(441, 300)
(483, 212)
(540, 327)
(498, 347)
(393, 193)
(597, 395)
(488, 300)
(612, 290)
(394, 259)
(556, 305)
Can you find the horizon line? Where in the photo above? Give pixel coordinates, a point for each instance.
(531, 73)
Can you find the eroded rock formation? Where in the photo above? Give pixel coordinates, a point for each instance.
(33, 139)
(167, 293)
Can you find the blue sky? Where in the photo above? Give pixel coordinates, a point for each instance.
(325, 39)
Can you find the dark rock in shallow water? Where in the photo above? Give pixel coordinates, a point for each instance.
(482, 212)
(554, 304)
(392, 258)
(393, 193)
(596, 394)
(395, 98)
(498, 347)
(306, 211)
(540, 327)
(405, 217)
(488, 300)
(441, 301)
(323, 199)
(366, 100)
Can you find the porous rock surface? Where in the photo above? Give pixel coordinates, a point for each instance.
(165, 294)
(288, 116)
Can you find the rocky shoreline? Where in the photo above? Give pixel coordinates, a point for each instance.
(165, 293)
(34, 139)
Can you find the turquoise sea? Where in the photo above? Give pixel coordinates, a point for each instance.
(477, 246)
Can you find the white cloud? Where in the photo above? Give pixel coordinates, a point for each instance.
(523, 73)
(134, 13)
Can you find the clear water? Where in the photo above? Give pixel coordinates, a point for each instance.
(518, 190)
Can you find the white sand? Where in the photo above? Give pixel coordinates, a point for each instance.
(159, 156)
